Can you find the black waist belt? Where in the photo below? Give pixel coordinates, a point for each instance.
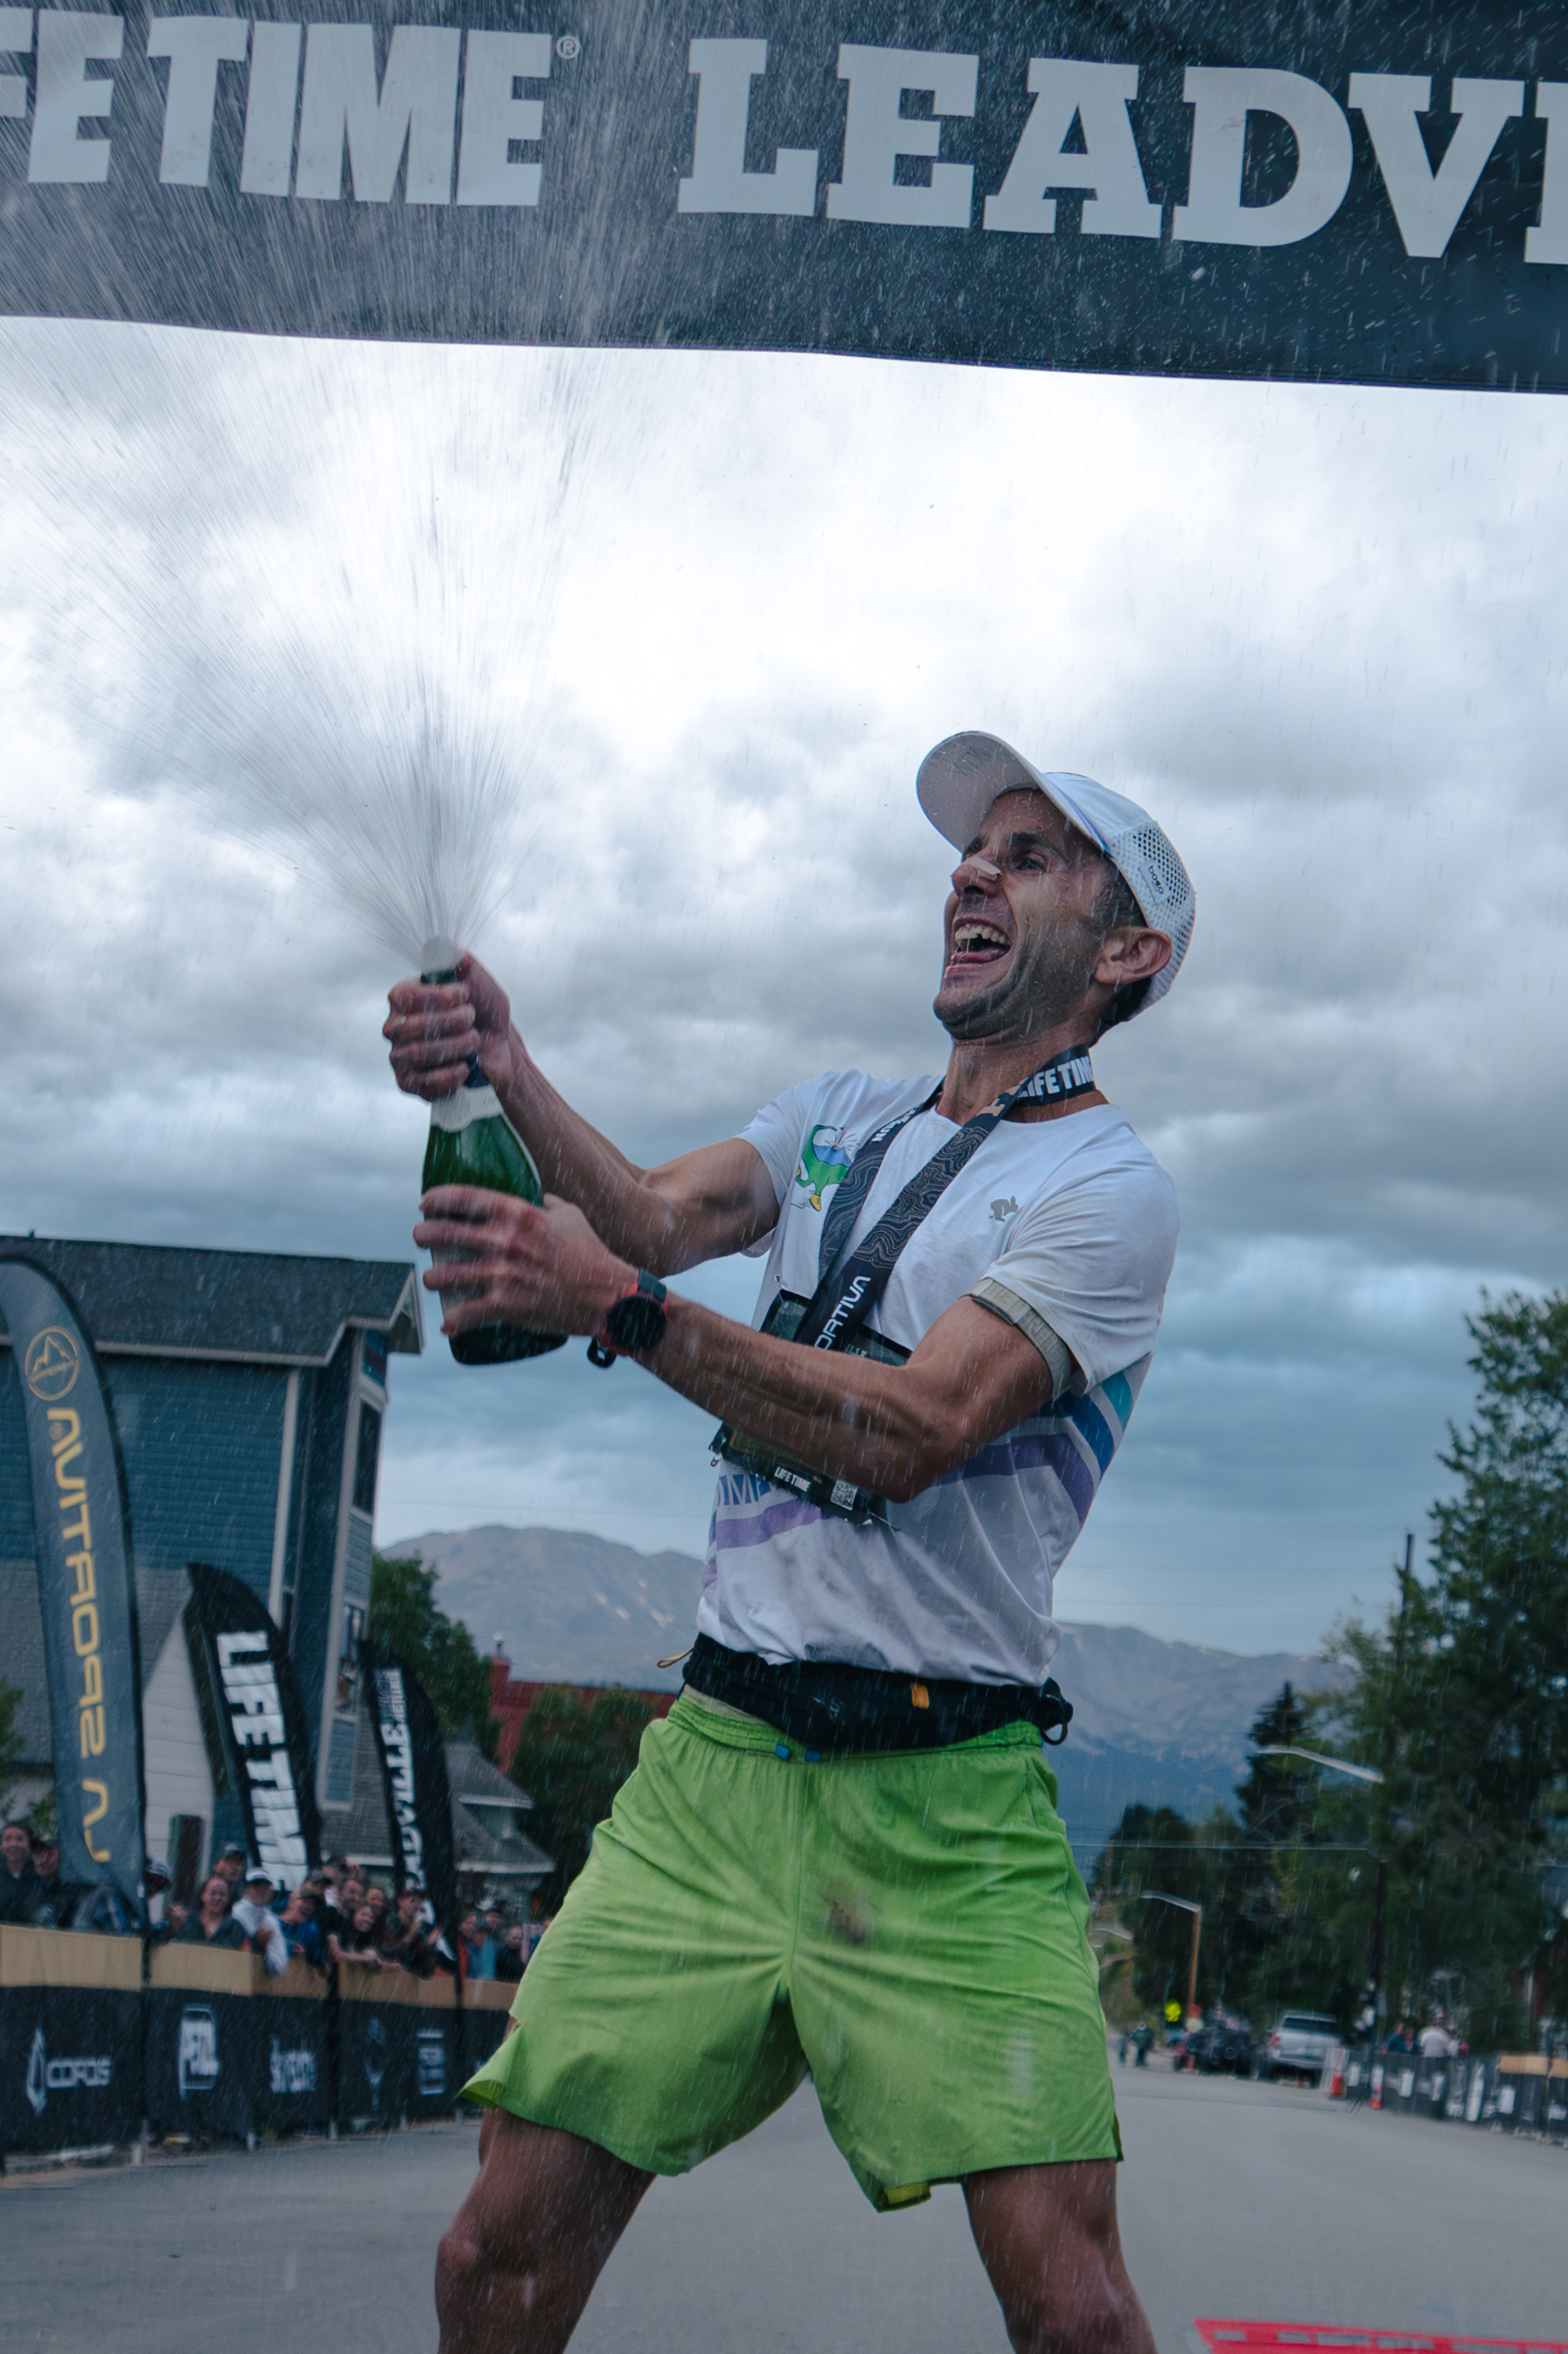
(839, 1710)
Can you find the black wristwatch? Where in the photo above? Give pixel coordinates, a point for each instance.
(635, 1322)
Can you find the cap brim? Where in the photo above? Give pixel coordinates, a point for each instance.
(960, 778)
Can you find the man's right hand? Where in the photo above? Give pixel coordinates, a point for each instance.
(433, 1029)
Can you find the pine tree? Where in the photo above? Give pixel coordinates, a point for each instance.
(1462, 1698)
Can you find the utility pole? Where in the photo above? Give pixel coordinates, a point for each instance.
(1380, 1892)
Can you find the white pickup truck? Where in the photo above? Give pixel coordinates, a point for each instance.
(1298, 2044)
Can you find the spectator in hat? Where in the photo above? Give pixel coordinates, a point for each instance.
(212, 1922)
(477, 1948)
(18, 1881)
(232, 1864)
(300, 1921)
(404, 1937)
(173, 1916)
(263, 1930)
(55, 1900)
(511, 1956)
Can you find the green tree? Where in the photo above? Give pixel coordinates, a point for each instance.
(573, 1756)
(441, 1651)
(1461, 1697)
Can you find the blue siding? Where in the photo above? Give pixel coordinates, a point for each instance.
(201, 1446)
(15, 1480)
(324, 1405)
(356, 1566)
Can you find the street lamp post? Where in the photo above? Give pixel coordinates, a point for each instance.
(1182, 1904)
(1380, 1891)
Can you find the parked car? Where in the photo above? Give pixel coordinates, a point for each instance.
(1298, 2044)
(1223, 2046)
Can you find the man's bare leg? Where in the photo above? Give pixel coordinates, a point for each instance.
(518, 2264)
(1047, 2237)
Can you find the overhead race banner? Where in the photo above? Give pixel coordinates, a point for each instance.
(85, 1591)
(418, 1794)
(266, 1747)
(1370, 194)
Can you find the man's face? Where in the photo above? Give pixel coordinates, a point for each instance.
(471, 1929)
(15, 1847)
(1021, 936)
(46, 1860)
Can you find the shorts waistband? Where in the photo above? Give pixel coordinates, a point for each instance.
(696, 1713)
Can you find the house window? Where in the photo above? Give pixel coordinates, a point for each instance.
(373, 1357)
(348, 1662)
(365, 1459)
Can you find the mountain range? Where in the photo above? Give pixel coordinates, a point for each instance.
(1163, 1724)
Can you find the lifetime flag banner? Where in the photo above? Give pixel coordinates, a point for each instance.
(414, 1774)
(1374, 195)
(266, 1751)
(86, 1596)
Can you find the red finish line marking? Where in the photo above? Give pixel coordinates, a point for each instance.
(1275, 2337)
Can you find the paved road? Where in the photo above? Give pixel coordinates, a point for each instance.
(1237, 2199)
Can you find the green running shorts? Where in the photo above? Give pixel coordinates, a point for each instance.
(908, 1928)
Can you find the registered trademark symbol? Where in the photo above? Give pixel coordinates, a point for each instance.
(568, 47)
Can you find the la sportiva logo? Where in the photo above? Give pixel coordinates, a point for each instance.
(52, 1364)
(44, 2077)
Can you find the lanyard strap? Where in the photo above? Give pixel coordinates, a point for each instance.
(843, 1299)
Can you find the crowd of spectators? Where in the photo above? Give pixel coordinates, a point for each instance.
(336, 1919)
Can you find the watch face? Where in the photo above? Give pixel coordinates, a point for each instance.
(636, 1322)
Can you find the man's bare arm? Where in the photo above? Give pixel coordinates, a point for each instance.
(895, 1429)
(707, 1202)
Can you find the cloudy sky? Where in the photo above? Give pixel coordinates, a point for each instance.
(713, 610)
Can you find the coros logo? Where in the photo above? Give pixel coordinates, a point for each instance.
(52, 1364)
(46, 2076)
(198, 2064)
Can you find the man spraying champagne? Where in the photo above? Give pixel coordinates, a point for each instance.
(841, 1852)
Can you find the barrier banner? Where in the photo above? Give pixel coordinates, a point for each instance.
(377, 2019)
(263, 1723)
(1374, 195)
(200, 2064)
(486, 2012)
(414, 1771)
(86, 1596)
(71, 2039)
(290, 2050)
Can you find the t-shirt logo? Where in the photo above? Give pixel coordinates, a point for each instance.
(823, 1161)
(1002, 1211)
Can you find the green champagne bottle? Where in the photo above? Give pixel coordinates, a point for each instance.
(472, 1143)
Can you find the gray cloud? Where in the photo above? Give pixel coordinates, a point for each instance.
(719, 607)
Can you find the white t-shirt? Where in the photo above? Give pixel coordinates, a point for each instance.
(1077, 1220)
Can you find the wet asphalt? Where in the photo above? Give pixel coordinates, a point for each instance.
(1237, 2200)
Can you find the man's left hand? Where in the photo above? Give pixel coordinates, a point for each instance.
(539, 1268)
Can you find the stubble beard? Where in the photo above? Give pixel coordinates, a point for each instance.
(1048, 980)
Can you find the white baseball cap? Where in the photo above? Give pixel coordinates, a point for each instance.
(958, 779)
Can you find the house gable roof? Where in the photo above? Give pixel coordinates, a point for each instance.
(254, 1307)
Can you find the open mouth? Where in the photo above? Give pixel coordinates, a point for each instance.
(976, 944)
